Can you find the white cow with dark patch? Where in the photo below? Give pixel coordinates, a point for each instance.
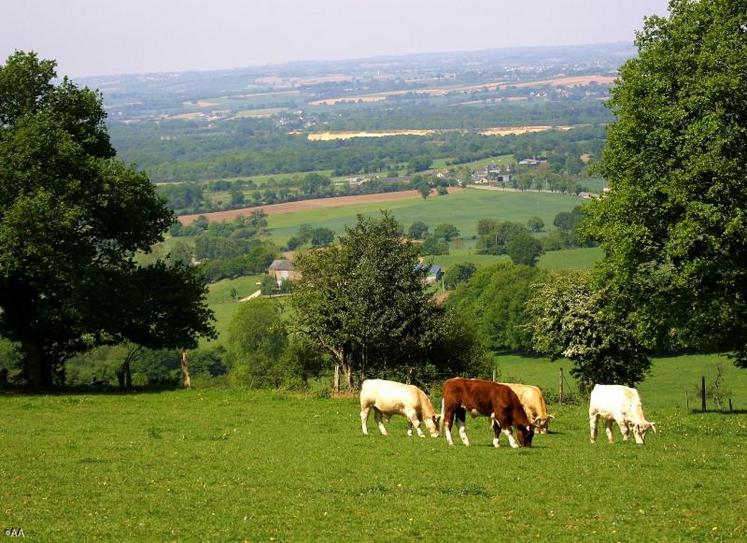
(621, 404)
(389, 398)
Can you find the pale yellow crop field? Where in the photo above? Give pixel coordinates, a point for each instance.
(345, 135)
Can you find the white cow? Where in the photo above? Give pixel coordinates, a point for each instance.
(621, 404)
(389, 398)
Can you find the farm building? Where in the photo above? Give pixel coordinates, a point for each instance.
(533, 161)
(435, 272)
(282, 270)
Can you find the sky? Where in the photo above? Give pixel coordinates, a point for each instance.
(103, 37)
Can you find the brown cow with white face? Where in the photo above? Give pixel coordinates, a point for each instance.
(488, 399)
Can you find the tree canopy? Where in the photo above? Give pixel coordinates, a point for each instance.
(72, 219)
(674, 225)
(365, 302)
(568, 317)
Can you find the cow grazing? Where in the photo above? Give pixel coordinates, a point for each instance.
(389, 398)
(533, 401)
(489, 399)
(621, 404)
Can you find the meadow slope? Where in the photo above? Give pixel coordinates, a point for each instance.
(232, 465)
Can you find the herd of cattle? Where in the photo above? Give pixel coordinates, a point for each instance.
(508, 405)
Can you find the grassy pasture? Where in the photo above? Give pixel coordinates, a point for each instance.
(567, 259)
(571, 259)
(220, 301)
(232, 465)
(462, 209)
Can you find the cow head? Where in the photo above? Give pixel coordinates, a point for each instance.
(525, 434)
(639, 431)
(434, 425)
(541, 424)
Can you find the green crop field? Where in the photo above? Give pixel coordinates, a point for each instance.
(231, 465)
(462, 209)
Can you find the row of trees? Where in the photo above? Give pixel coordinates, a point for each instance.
(182, 152)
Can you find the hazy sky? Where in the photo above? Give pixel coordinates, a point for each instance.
(97, 37)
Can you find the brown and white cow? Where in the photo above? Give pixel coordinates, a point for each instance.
(389, 398)
(621, 404)
(488, 399)
(533, 401)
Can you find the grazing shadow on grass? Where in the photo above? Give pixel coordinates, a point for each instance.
(88, 390)
(716, 412)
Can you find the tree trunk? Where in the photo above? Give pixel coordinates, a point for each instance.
(127, 374)
(37, 367)
(186, 380)
(347, 370)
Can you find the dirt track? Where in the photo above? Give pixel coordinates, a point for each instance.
(292, 207)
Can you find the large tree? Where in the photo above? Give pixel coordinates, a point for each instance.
(674, 225)
(365, 302)
(72, 218)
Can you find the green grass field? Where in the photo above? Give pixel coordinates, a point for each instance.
(462, 209)
(571, 259)
(441, 163)
(231, 465)
(220, 301)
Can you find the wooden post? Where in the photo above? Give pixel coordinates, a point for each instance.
(494, 375)
(731, 408)
(186, 380)
(687, 401)
(702, 395)
(336, 382)
(560, 388)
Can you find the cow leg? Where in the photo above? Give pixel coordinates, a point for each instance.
(461, 418)
(624, 428)
(593, 426)
(608, 429)
(510, 435)
(412, 419)
(505, 424)
(380, 421)
(496, 431)
(364, 420)
(447, 421)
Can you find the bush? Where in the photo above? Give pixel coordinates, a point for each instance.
(524, 249)
(417, 230)
(458, 273)
(493, 302)
(434, 246)
(256, 342)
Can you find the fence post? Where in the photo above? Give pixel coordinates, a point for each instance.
(702, 395)
(494, 375)
(560, 388)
